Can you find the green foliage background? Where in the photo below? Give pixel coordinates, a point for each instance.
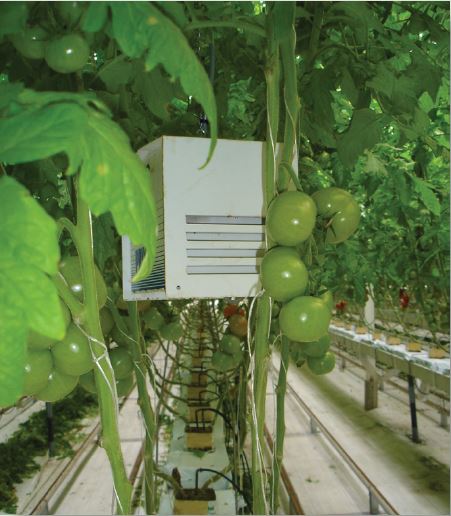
(373, 79)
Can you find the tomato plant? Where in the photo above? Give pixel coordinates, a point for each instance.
(71, 270)
(230, 344)
(304, 319)
(122, 363)
(59, 385)
(238, 325)
(31, 42)
(283, 274)
(153, 319)
(72, 355)
(67, 54)
(38, 366)
(290, 219)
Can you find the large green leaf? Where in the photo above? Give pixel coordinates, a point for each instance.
(13, 16)
(161, 41)
(114, 179)
(112, 176)
(28, 299)
(427, 195)
(27, 234)
(41, 132)
(364, 131)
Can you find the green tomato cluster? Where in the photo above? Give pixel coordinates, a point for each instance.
(63, 53)
(229, 355)
(290, 221)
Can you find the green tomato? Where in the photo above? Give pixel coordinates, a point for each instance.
(67, 54)
(323, 364)
(316, 349)
(328, 298)
(296, 354)
(125, 385)
(106, 321)
(153, 319)
(172, 331)
(342, 210)
(72, 355)
(290, 219)
(31, 42)
(304, 319)
(122, 363)
(38, 366)
(230, 344)
(87, 381)
(58, 387)
(37, 341)
(283, 274)
(69, 12)
(119, 338)
(224, 362)
(71, 270)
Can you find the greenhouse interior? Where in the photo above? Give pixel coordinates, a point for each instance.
(224, 249)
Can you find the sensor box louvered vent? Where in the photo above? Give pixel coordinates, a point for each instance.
(210, 221)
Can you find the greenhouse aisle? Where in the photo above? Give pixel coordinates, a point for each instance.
(413, 477)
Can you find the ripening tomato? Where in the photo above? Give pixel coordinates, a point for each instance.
(70, 268)
(58, 387)
(122, 363)
(304, 319)
(283, 274)
(38, 366)
(238, 325)
(229, 310)
(290, 219)
(67, 54)
(323, 364)
(230, 344)
(343, 211)
(72, 355)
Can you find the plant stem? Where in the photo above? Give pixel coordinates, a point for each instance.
(291, 100)
(104, 376)
(280, 425)
(261, 356)
(145, 406)
(76, 308)
(233, 24)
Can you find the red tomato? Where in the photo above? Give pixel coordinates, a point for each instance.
(230, 310)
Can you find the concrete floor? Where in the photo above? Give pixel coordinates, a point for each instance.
(413, 477)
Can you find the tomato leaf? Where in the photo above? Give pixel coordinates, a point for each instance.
(94, 17)
(38, 133)
(427, 195)
(364, 131)
(114, 179)
(28, 299)
(13, 17)
(27, 234)
(112, 176)
(13, 342)
(163, 42)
